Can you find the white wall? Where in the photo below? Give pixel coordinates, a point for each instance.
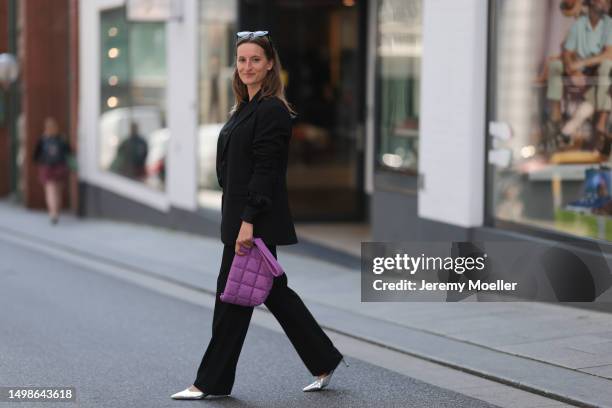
(452, 126)
(182, 63)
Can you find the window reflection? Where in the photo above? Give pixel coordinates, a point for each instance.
(133, 136)
(550, 130)
(216, 59)
(399, 63)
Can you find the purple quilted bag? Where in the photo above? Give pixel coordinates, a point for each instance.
(251, 276)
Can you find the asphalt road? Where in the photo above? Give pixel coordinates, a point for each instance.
(122, 345)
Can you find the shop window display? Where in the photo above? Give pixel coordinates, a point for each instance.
(550, 125)
(133, 137)
(217, 32)
(399, 62)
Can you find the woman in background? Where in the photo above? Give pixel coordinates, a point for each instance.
(51, 155)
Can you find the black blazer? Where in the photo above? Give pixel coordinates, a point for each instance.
(252, 155)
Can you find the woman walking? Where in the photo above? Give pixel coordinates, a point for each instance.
(252, 154)
(51, 154)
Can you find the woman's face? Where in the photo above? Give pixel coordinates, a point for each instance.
(252, 64)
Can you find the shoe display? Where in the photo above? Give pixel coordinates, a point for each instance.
(597, 184)
(588, 204)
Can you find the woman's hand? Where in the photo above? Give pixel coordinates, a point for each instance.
(245, 237)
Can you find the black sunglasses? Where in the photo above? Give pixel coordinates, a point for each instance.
(248, 35)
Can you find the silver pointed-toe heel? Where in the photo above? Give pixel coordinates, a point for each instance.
(319, 383)
(188, 395)
(322, 382)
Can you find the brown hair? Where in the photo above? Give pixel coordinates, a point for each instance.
(272, 84)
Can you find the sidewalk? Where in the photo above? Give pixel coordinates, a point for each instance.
(561, 352)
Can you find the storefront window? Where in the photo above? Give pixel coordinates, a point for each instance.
(216, 67)
(550, 125)
(133, 134)
(399, 72)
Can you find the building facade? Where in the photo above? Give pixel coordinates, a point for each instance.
(425, 119)
(42, 36)
(170, 80)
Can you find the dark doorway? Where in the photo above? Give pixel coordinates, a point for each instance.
(322, 48)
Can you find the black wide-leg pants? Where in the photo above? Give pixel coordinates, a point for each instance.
(230, 324)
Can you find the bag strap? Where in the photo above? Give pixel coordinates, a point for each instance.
(272, 263)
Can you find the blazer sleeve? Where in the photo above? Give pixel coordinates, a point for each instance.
(272, 132)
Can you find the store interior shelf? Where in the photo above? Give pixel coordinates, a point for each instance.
(566, 172)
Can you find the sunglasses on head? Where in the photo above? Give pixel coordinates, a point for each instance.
(249, 35)
(243, 35)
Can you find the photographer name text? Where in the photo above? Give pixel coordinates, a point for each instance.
(423, 285)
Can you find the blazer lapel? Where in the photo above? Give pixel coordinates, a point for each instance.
(244, 114)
